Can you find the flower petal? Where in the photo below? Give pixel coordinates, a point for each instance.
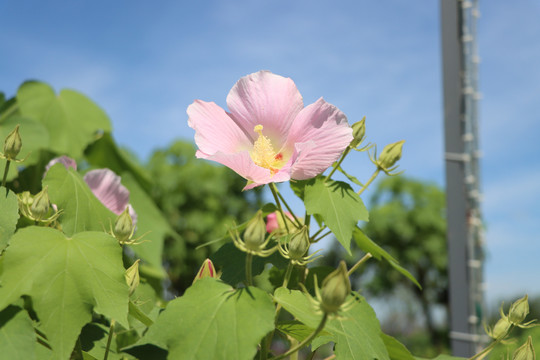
(266, 99)
(106, 186)
(242, 164)
(64, 160)
(215, 131)
(324, 125)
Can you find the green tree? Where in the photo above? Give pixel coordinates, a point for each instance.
(407, 218)
(201, 201)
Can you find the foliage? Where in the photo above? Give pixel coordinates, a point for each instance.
(78, 280)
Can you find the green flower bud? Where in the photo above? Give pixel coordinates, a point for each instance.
(12, 144)
(390, 155)
(335, 289)
(123, 227)
(255, 233)
(207, 270)
(132, 276)
(299, 244)
(40, 204)
(519, 310)
(525, 351)
(500, 330)
(359, 131)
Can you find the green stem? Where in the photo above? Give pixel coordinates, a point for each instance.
(482, 354)
(278, 204)
(6, 170)
(249, 261)
(288, 273)
(322, 236)
(360, 262)
(338, 163)
(305, 341)
(298, 223)
(109, 339)
(317, 233)
(369, 181)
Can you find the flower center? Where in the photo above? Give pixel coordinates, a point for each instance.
(263, 153)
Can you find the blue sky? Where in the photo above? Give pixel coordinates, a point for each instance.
(145, 63)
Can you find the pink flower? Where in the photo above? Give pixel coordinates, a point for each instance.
(268, 135)
(105, 185)
(274, 221)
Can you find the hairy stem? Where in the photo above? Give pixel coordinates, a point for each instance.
(369, 181)
(360, 262)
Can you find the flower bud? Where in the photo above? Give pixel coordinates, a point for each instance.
(132, 276)
(123, 227)
(519, 310)
(525, 351)
(390, 155)
(335, 289)
(12, 144)
(255, 232)
(299, 244)
(40, 204)
(359, 131)
(207, 270)
(500, 330)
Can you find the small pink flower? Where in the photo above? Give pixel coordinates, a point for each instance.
(274, 223)
(268, 135)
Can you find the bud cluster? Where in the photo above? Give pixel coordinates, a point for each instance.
(255, 240)
(38, 207)
(389, 157)
(124, 228)
(516, 316)
(12, 146)
(297, 247)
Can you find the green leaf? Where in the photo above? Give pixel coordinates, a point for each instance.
(213, 321)
(353, 179)
(368, 246)
(396, 350)
(67, 278)
(298, 187)
(338, 204)
(297, 330)
(356, 332)
(232, 262)
(150, 223)
(71, 119)
(9, 208)
(82, 211)
(17, 335)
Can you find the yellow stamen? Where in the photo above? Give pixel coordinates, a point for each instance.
(263, 153)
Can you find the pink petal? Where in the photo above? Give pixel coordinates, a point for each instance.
(215, 131)
(243, 164)
(106, 186)
(272, 222)
(326, 128)
(266, 99)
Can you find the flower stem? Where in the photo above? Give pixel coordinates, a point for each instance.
(249, 261)
(360, 262)
(306, 340)
(298, 223)
(6, 170)
(482, 354)
(278, 204)
(322, 236)
(317, 233)
(338, 163)
(288, 273)
(109, 339)
(369, 181)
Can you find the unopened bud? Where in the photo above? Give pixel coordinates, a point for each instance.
(519, 310)
(525, 351)
(12, 144)
(207, 270)
(335, 289)
(390, 155)
(132, 276)
(255, 232)
(500, 330)
(359, 131)
(299, 244)
(40, 204)
(123, 227)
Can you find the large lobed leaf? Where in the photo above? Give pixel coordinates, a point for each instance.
(356, 332)
(67, 278)
(213, 321)
(82, 211)
(71, 119)
(340, 207)
(17, 335)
